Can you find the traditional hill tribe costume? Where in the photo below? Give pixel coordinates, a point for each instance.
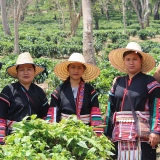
(81, 100)
(16, 101)
(133, 100)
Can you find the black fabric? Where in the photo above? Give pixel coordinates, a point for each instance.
(63, 99)
(144, 92)
(14, 104)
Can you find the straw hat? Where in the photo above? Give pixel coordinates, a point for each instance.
(91, 72)
(23, 58)
(116, 58)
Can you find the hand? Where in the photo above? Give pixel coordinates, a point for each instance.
(154, 139)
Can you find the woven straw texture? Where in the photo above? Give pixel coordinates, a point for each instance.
(23, 58)
(91, 72)
(116, 59)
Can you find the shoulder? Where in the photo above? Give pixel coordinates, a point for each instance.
(115, 83)
(89, 86)
(151, 83)
(150, 79)
(117, 79)
(10, 87)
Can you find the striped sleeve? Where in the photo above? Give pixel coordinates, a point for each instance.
(2, 130)
(154, 92)
(53, 112)
(51, 115)
(4, 104)
(96, 121)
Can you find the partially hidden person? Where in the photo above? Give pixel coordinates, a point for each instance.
(157, 74)
(0, 65)
(75, 96)
(22, 98)
(133, 113)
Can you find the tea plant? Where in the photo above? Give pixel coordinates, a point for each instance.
(70, 139)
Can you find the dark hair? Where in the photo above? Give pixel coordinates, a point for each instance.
(129, 52)
(68, 78)
(34, 67)
(78, 62)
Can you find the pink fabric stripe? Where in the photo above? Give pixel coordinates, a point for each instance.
(5, 100)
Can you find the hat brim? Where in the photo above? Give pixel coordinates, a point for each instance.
(11, 70)
(91, 72)
(116, 60)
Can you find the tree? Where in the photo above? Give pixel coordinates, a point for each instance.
(104, 4)
(24, 5)
(60, 9)
(141, 8)
(16, 24)
(96, 10)
(156, 9)
(88, 49)
(124, 14)
(4, 18)
(19, 11)
(74, 16)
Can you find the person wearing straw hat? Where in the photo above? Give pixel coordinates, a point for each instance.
(22, 98)
(74, 95)
(133, 97)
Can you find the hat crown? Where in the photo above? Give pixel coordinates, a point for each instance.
(77, 57)
(24, 58)
(134, 46)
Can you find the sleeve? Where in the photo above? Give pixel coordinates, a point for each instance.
(54, 113)
(110, 109)
(4, 104)
(96, 116)
(45, 106)
(154, 105)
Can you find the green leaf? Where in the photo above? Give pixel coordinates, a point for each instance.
(82, 144)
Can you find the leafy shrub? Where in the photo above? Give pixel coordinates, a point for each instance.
(143, 34)
(69, 139)
(147, 46)
(131, 32)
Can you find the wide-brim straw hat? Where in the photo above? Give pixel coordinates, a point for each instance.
(91, 72)
(24, 58)
(116, 58)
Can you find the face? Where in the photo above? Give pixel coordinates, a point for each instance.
(133, 63)
(25, 74)
(76, 71)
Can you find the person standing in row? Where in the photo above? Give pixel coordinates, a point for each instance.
(22, 98)
(136, 95)
(74, 96)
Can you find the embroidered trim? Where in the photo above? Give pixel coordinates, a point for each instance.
(79, 100)
(54, 96)
(5, 100)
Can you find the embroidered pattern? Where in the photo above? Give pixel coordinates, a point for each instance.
(2, 130)
(79, 100)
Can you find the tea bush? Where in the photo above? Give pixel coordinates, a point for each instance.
(69, 139)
